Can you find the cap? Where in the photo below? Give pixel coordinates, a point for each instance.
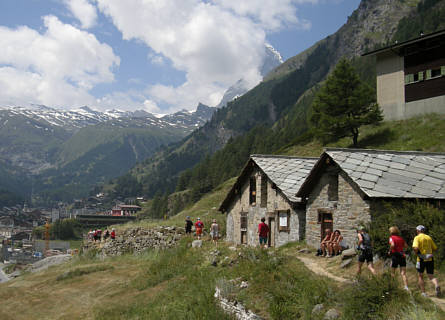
(420, 228)
(198, 219)
(188, 217)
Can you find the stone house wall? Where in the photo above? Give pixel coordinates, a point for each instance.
(349, 209)
(276, 202)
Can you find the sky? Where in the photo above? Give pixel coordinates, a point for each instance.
(157, 55)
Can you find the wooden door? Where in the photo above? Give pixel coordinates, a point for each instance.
(326, 223)
(243, 227)
(272, 228)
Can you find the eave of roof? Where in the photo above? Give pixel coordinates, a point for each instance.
(386, 174)
(397, 46)
(255, 158)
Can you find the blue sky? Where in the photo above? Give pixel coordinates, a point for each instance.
(156, 55)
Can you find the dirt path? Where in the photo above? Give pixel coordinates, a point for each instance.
(318, 269)
(439, 302)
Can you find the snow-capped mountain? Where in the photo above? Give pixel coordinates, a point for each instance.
(272, 59)
(73, 120)
(65, 153)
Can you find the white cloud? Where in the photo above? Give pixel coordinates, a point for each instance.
(213, 46)
(56, 68)
(156, 59)
(271, 15)
(151, 106)
(84, 11)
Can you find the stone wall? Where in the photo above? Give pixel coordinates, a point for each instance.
(348, 211)
(234, 308)
(275, 202)
(137, 240)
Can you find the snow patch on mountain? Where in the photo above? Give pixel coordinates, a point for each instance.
(272, 59)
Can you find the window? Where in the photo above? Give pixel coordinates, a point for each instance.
(252, 193)
(263, 191)
(243, 227)
(284, 220)
(333, 187)
(414, 77)
(243, 222)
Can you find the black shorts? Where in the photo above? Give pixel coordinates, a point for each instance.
(398, 259)
(365, 255)
(428, 265)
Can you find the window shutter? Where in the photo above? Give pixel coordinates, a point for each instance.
(428, 74)
(421, 76)
(442, 70)
(407, 79)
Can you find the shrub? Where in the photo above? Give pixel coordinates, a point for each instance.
(368, 297)
(407, 215)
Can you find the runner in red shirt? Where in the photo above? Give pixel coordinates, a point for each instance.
(396, 247)
(263, 232)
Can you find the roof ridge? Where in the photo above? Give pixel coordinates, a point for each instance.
(281, 156)
(385, 151)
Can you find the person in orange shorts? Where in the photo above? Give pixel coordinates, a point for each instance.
(199, 225)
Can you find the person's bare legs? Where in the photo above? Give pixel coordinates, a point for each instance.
(371, 268)
(359, 270)
(403, 275)
(421, 282)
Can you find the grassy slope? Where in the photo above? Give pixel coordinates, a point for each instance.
(422, 133)
(179, 283)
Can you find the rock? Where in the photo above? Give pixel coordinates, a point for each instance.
(232, 248)
(244, 284)
(348, 253)
(318, 308)
(345, 263)
(332, 314)
(304, 250)
(197, 244)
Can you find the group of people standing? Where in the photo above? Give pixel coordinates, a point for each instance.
(199, 228)
(423, 246)
(96, 235)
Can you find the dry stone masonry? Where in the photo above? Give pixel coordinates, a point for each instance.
(137, 240)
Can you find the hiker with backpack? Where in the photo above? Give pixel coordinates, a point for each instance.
(365, 247)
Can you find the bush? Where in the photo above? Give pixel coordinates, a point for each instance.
(406, 216)
(368, 297)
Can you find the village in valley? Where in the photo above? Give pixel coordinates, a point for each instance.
(211, 248)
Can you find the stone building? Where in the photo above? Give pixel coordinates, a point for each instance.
(411, 77)
(345, 186)
(266, 188)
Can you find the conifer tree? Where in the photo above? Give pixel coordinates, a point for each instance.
(343, 104)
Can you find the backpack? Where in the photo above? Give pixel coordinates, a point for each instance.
(366, 243)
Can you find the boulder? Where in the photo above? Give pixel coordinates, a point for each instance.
(332, 314)
(318, 308)
(197, 244)
(348, 253)
(345, 263)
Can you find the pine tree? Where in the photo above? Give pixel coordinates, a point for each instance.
(343, 104)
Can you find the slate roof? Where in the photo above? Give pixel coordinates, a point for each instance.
(287, 173)
(389, 174)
